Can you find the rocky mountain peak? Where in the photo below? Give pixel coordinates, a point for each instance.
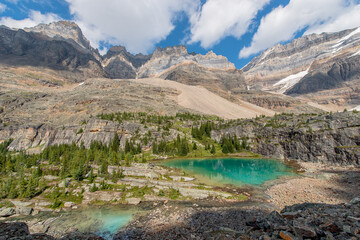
(165, 58)
(122, 51)
(115, 50)
(303, 44)
(65, 31)
(179, 50)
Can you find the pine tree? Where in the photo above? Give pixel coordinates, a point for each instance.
(127, 146)
(22, 185)
(114, 176)
(155, 148)
(93, 188)
(143, 160)
(31, 188)
(115, 143)
(127, 160)
(42, 185)
(103, 185)
(212, 151)
(138, 150)
(91, 176)
(104, 167)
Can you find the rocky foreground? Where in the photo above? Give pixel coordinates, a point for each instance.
(300, 221)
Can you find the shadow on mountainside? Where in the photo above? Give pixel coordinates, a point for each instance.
(346, 184)
(202, 224)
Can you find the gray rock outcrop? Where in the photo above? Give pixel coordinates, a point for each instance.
(19, 47)
(309, 66)
(164, 59)
(195, 74)
(19, 230)
(329, 138)
(7, 211)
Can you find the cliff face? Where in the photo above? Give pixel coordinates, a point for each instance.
(119, 63)
(63, 31)
(166, 58)
(195, 74)
(330, 75)
(310, 65)
(328, 138)
(19, 48)
(34, 135)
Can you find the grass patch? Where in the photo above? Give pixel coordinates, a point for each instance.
(6, 203)
(99, 203)
(174, 194)
(138, 192)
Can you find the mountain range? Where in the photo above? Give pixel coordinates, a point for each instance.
(321, 67)
(52, 70)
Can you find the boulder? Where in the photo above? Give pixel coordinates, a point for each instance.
(304, 230)
(286, 236)
(69, 204)
(15, 230)
(24, 210)
(7, 212)
(81, 236)
(133, 201)
(355, 200)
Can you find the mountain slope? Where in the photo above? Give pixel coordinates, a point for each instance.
(202, 100)
(27, 48)
(310, 66)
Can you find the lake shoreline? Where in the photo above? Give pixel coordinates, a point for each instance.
(261, 201)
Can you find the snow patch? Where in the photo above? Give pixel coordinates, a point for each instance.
(357, 53)
(341, 41)
(356, 108)
(356, 31)
(266, 53)
(291, 80)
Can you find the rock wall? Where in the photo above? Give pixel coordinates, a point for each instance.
(329, 138)
(195, 74)
(26, 137)
(164, 58)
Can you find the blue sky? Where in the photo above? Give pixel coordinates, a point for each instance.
(237, 29)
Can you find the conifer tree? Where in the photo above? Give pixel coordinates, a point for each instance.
(93, 188)
(212, 151)
(115, 143)
(91, 176)
(127, 146)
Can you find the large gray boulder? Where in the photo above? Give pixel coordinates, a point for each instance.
(7, 212)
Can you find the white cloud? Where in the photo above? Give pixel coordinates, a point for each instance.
(2, 7)
(283, 23)
(138, 25)
(349, 18)
(221, 18)
(33, 19)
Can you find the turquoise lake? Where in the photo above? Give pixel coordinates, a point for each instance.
(233, 170)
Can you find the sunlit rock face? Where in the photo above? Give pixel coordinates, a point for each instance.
(310, 64)
(165, 58)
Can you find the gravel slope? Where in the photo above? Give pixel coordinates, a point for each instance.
(200, 99)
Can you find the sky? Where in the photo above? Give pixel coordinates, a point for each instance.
(237, 29)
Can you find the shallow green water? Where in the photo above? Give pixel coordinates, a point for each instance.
(103, 221)
(111, 221)
(233, 170)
